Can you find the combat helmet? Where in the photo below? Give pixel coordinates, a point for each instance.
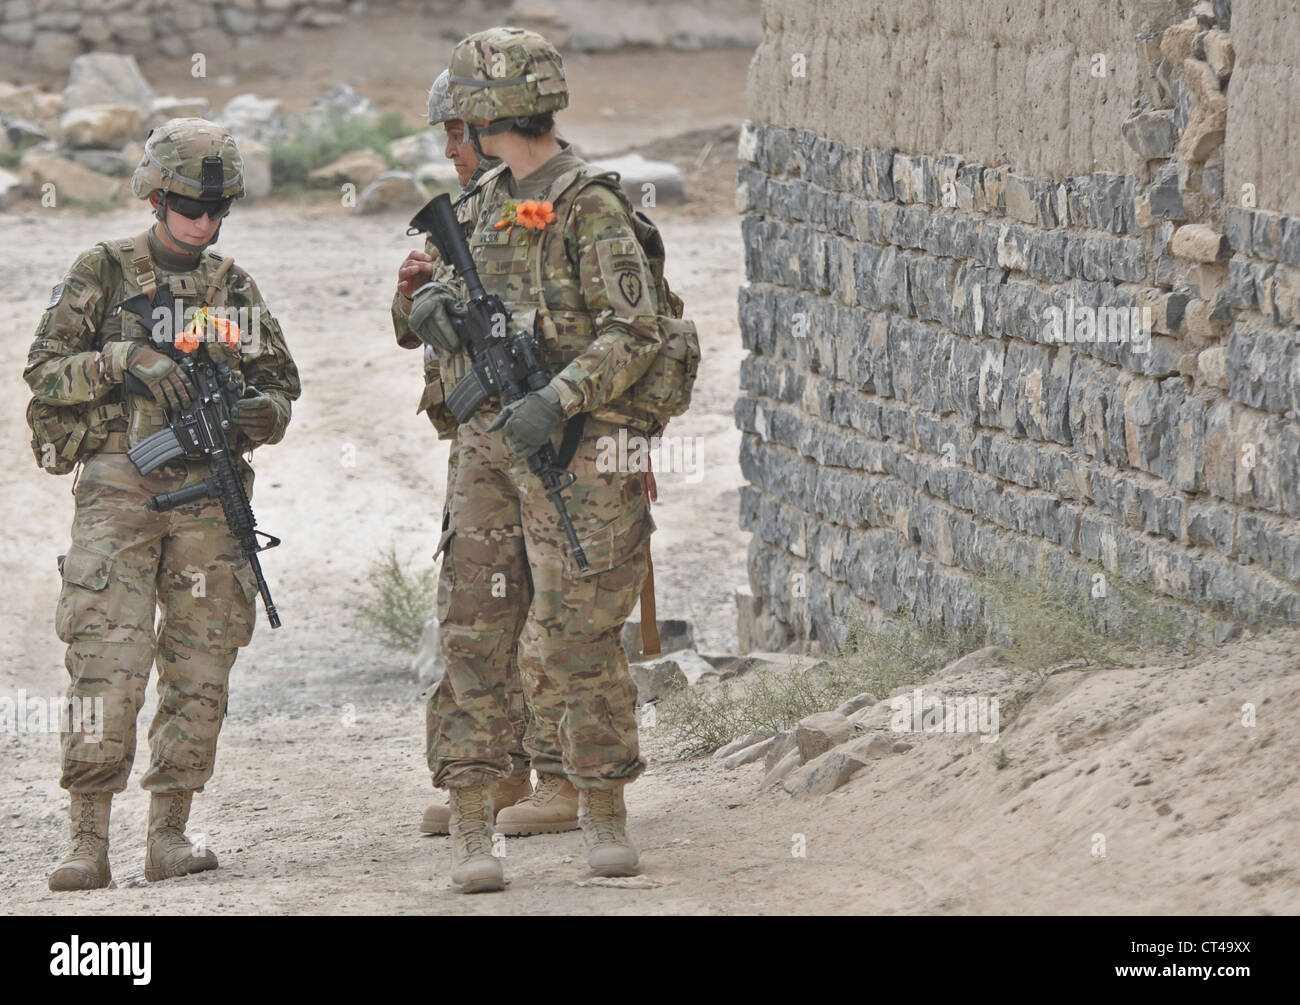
(504, 74)
(441, 107)
(189, 157)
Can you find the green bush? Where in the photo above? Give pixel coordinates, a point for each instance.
(399, 602)
(293, 160)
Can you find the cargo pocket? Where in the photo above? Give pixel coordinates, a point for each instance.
(83, 599)
(243, 607)
(610, 545)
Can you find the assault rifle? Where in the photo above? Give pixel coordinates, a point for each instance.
(201, 430)
(505, 363)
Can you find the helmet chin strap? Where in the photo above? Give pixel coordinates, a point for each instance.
(473, 132)
(160, 213)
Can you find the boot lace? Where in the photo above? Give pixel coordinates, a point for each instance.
(601, 817)
(548, 786)
(86, 838)
(471, 807)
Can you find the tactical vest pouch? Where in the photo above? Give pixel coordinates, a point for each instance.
(64, 435)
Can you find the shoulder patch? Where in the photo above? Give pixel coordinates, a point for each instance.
(56, 295)
(624, 273)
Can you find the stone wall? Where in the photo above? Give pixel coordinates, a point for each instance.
(943, 385)
(49, 34)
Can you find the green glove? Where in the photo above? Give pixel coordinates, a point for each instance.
(165, 381)
(529, 421)
(255, 415)
(431, 311)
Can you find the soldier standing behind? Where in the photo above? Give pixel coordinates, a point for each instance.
(580, 280)
(551, 808)
(124, 559)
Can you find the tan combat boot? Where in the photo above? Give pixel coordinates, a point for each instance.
(604, 817)
(170, 853)
(474, 869)
(551, 809)
(86, 867)
(507, 792)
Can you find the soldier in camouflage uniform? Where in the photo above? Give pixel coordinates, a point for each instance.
(422, 272)
(595, 318)
(124, 560)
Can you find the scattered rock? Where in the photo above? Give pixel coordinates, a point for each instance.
(747, 740)
(17, 102)
(778, 771)
(360, 167)
(751, 753)
(11, 188)
(872, 748)
(257, 169)
(342, 104)
(782, 744)
(427, 666)
(674, 634)
(635, 172)
(438, 175)
(392, 191)
(100, 78)
(419, 148)
(72, 182)
(101, 127)
(109, 162)
(178, 108)
(858, 701)
(22, 133)
(656, 679)
(249, 117)
(819, 732)
(824, 774)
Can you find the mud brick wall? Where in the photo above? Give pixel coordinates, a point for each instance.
(913, 423)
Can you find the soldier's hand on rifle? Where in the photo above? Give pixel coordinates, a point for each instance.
(414, 272)
(255, 415)
(431, 318)
(164, 380)
(529, 421)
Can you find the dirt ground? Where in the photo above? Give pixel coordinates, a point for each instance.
(321, 778)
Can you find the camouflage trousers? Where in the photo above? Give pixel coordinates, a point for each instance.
(509, 585)
(123, 561)
(530, 731)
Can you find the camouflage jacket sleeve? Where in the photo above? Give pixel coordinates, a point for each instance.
(264, 357)
(63, 365)
(620, 297)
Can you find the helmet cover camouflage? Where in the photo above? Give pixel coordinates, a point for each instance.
(191, 157)
(441, 107)
(506, 73)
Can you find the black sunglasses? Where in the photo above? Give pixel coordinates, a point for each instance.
(192, 209)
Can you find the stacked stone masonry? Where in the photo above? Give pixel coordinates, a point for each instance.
(919, 415)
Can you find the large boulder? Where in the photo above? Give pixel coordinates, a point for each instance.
(99, 78)
(249, 117)
(392, 191)
(342, 104)
(425, 147)
(17, 102)
(360, 167)
(101, 127)
(178, 108)
(72, 182)
(815, 734)
(109, 162)
(635, 171)
(656, 679)
(257, 169)
(54, 50)
(824, 774)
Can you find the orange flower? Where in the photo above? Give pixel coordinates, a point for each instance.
(529, 213)
(204, 327)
